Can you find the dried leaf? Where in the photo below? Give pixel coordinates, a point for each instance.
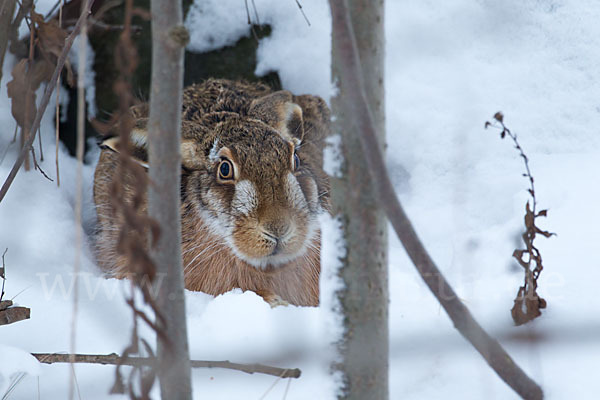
(527, 306)
(518, 255)
(22, 97)
(51, 40)
(51, 37)
(544, 233)
(41, 71)
(529, 219)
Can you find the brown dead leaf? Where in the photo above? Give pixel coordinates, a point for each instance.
(544, 233)
(51, 40)
(41, 71)
(22, 96)
(527, 306)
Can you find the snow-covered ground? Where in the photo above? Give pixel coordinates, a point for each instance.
(450, 66)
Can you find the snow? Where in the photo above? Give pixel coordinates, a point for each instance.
(214, 23)
(450, 66)
(90, 74)
(15, 364)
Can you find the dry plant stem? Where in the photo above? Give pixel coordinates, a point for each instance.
(44, 102)
(528, 304)
(3, 274)
(26, 131)
(57, 116)
(78, 191)
(115, 359)
(169, 38)
(351, 79)
(302, 11)
(7, 11)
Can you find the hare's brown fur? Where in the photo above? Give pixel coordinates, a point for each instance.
(256, 130)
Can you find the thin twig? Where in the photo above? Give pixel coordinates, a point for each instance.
(272, 386)
(78, 190)
(250, 20)
(36, 166)
(287, 389)
(115, 359)
(76, 382)
(57, 116)
(3, 274)
(256, 13)
(54, 7)
(44, 102)
(26, 130)
(40, 145)
(351, 78)
(302, 11)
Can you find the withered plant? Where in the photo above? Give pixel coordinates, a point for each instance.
(46, 42)
(528, 304)
(136, 224)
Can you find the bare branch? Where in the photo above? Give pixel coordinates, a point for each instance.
(169, 38)
(44, 102)
(115, 359)
(351, 78)
(14, 314)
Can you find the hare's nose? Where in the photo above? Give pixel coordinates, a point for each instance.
(277, 230)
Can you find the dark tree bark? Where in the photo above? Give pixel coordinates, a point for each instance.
(365, 272)
(169, 38)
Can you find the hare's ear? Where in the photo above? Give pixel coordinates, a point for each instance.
(139, 146)
(278, 111)
(190, 155)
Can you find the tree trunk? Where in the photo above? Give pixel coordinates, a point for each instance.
(164, 137)
(365, 272)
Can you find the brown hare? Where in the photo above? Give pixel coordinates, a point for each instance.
(252, 187)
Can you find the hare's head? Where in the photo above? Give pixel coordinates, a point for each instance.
(248, 177)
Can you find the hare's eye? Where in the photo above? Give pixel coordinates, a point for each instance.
(296, 161)
(225, 170)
